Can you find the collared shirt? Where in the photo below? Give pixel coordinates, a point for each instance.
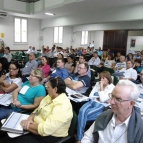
(102, 94)
(130, 73)
(110, 134)
(114, 133)
(30, 65)
(94, 61)
(54, 116)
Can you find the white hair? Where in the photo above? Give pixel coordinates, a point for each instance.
(134, 88)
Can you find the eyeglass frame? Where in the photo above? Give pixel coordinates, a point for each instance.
(117, 100)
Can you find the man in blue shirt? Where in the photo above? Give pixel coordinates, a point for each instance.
(60, 70)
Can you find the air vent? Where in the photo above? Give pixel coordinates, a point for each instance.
(3, 14)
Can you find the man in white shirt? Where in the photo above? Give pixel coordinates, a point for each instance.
(91, 44)
(94, 60)
(34, 50)
(121, 124)
(129, 73)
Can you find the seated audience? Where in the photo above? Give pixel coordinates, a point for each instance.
(51, 120)
(137, 55)
(60, 71)
(142, 59)
(141, 85)
(45, 66)
(29, 50)
(104, 57)
(137, 65)
(81, 82)
(80, 61)
(121, 65)
(59, 50)
(93, 108)
(117, 58)
(9, 82)
(130, 57)
(123, 123)
(70, 66)
(129, 73)
(110, 62)
(94, 60)
(51, 53)
(34, 50)
(100, 53)
(7, 54)
(3, 66)
(29, 66)
(26, 97)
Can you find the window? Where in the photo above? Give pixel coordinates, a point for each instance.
(20, 30)
(58, 34)
(84, 38)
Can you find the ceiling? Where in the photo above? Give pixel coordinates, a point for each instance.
(28, 1)
(79, 7)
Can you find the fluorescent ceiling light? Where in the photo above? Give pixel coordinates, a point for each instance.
(49, 14)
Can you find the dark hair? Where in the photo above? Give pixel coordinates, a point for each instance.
(138, 61)
(5, 66)
(86, 65)
(107, 75)
(72, 57)
(83, 56)
(17, 67)
(59, 83)
(62, 59)
(95, 52)
(47, 59)
(7, 48)
(61, 55)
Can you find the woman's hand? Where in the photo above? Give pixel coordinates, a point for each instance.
(17, 103)
(25, 124)
(101, 85)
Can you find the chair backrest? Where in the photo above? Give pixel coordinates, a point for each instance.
(73, 125)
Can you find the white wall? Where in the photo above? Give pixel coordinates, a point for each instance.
(138, 36)
(48, 37)
(138, 45)
(97, 37)
(7, 27)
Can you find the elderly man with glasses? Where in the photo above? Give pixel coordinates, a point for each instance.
(121, 124)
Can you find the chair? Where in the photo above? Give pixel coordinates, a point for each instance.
(70, 138)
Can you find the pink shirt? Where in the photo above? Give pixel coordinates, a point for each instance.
(45, 69)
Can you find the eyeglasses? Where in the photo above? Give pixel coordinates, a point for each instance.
(10, 69)
(80, 68)
(116, 100)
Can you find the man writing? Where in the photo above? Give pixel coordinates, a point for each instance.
(121, 124)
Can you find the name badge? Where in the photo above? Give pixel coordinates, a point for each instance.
(24, 89)
(54, 71)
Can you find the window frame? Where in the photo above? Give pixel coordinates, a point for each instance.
(20, 30)
(84, 38)
(58, 35)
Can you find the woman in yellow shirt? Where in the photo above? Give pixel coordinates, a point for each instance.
(51, 120)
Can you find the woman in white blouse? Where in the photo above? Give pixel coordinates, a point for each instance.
(92, 109)
(10, 81)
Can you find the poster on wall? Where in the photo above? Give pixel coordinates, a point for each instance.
(133, 43)
(2, 35)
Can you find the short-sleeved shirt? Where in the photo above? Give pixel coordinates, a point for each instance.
(119, 65)
(30, 95)
(85, 80)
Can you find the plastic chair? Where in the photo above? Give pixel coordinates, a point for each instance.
(70, 138)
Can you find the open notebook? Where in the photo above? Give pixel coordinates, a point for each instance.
(12, 123)
(5, 99)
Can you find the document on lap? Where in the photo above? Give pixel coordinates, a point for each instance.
(12, 123)
(5, 99)
(76, 97)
